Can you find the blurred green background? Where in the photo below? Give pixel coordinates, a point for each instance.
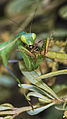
(38, 16)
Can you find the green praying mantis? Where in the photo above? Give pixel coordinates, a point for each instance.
(27, 47)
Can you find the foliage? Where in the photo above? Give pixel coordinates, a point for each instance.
(41, 63)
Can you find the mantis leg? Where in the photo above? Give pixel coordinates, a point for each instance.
(16, 79)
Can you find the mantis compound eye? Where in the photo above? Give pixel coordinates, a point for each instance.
(34, 36)
(23, 38)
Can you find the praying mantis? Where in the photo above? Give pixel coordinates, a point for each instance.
(31, 59)
(23, 40)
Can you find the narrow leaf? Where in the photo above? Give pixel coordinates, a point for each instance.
(38, 95)
(40, 109)
(31, 77)
(35, 89)
(5, 106)
(52, 74)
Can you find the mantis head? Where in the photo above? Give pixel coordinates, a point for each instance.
(28, 38)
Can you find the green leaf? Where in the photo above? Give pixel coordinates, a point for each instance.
(8, 117)
(52, 74)
(29, 75)
(43, 86)
(38, 82)
(5, 106)
(38, 95)
(61, 106)
(40, 109)
(36, 89)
